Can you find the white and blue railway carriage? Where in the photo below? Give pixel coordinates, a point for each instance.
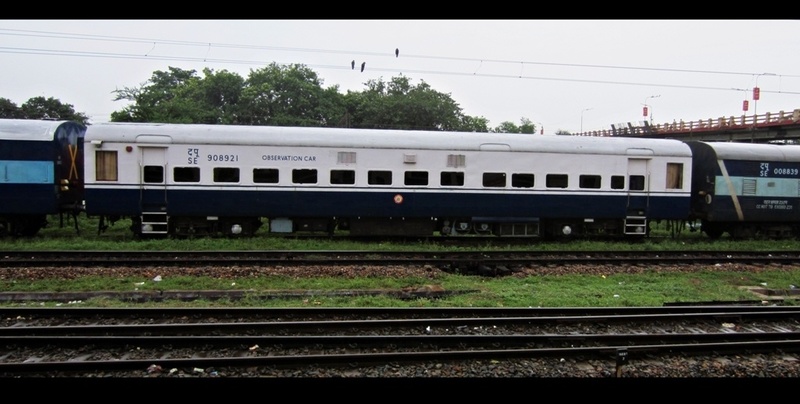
(41, 171)
(746, 189)
(193, 179)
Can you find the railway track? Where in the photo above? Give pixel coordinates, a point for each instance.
(70, 264)
(461, 259)
(603, 342)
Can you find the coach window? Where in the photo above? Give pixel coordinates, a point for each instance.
(226, 174)
(379, 177)
(265, 175)
(636, 182)
(452, 179)
(304, 176)
(556, 180)
(617, 182)
(343, 177)
(105, 165)
(416, 178)
(153, 174)
(674, 175)
(519, 180)
(494, 180)
(186, 174)
(589, 181)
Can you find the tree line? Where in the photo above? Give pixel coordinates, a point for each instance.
(275, 95)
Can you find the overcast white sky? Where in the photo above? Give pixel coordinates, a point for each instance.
(560, 74)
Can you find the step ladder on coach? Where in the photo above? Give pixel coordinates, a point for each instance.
(636, 225)
(155, 221)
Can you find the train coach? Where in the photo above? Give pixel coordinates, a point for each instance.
(41, 173)
(746, 190)
(185, 180)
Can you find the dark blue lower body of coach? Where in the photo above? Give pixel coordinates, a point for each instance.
(408, 204)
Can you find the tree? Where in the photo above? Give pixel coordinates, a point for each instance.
(474, 124)
(292, 95)
(526, 127)
(289, 96)
(219, 94)
(41, 108)
(275, 95)
(9, 110)
(506, 127)
(169, 97)
(399, 105)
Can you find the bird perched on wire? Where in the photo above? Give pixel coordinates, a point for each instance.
(353, 65)
(362, 66)
(396, 52)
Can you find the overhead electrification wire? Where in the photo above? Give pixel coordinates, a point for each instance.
(209, 45)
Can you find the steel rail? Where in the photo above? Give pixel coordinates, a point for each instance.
(183, 328)
(788, 345)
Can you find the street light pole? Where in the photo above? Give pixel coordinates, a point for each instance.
(587, 109)
(651, 110)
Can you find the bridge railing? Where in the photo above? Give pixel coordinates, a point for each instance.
(703, 125)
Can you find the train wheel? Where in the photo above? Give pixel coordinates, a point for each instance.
(26, 226)
(136, 226)
(483, 228)
(713, 231)
(744, 233)
(463, 226)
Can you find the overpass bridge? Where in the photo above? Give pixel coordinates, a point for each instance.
(771, 127)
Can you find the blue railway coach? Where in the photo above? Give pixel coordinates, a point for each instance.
(222, 179)
(41, 173)
(746, 189)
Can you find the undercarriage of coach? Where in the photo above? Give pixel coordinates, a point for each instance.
(749, 230)
(193, 226)
(213, 226)
(22, 225)
(160, 224)
(579, 228)
(546, 228)
(520, 227)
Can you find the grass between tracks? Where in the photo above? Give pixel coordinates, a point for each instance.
(652, 287)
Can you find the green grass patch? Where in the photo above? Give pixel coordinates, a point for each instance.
(644, 289)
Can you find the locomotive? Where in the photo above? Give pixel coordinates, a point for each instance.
(185, 180)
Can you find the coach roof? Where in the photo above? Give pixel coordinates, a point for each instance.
(754, 151)
(378, 138)
(28, 129)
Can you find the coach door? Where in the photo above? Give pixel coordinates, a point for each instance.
(153, 189)
(638, 196)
